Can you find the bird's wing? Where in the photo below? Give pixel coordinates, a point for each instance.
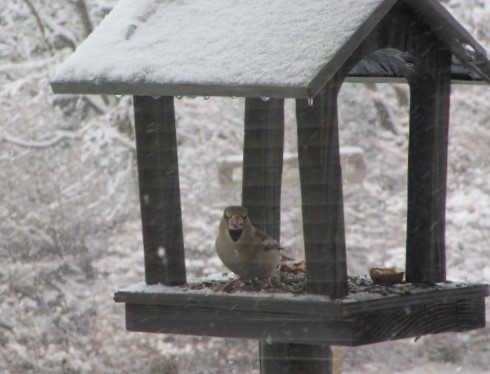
(267, 241)
(285, 258)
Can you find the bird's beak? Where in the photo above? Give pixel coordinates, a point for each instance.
(235, 222)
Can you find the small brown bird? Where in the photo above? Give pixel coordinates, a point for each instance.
(243, 248)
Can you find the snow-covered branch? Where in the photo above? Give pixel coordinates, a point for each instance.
(56, 138)
(39, 23)
(84, 16)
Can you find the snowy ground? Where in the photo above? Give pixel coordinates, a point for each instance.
(70, 226)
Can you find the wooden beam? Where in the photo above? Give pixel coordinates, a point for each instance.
(263, 153)
(364, 318)
(158, 175)
(418, 320)
(321, 192)
(262, 163)
(370, 298)
(295, 358)
(261, 194)
(427, 157)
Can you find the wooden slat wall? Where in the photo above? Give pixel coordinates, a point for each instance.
(158, 175)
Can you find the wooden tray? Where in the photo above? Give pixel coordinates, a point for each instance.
(373, 314)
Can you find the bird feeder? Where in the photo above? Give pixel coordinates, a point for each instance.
(266, 52)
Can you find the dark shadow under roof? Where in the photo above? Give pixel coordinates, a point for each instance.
(385, 66)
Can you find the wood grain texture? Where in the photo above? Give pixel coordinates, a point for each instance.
(321, 192)
(296, 358)
(158, 177)
(261, 194)
(427, 157)
(455, 37)
(425, 62)
(418, 320)
(300, 306)
(263, 162)
(235, 324)
(320, 171)
(353, 321)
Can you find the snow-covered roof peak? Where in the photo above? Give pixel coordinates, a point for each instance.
(273, 48)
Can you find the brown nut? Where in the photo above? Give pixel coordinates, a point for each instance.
(386, 276)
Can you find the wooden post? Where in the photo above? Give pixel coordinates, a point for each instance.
(321, 192)
(295, 359)
(158, 175)
(427, 159)
(261, 194)
(427, 70)
(262, 163)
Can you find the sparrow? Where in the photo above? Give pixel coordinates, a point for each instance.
(243, 248)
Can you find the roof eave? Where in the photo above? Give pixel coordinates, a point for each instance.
(153, 89)
(459, 41)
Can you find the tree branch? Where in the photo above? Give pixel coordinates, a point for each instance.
(85, 16)
(56, 138)
(39, 23)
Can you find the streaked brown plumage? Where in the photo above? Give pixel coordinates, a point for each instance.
(243, 248)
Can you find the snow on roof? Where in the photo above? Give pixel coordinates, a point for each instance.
(216, 47)
(273, 48)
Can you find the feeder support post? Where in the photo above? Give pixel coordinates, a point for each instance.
(427, 160)
(321, 192)
(262, 163)
(158, 177)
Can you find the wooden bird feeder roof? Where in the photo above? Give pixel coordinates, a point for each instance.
(282, 48)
